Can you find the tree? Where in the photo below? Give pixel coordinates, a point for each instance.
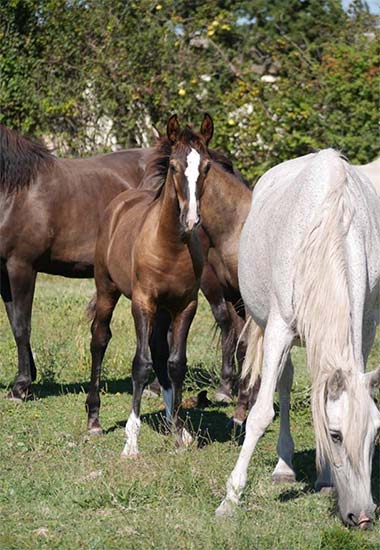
(281, 78)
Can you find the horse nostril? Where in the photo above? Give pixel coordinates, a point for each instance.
(352, 519)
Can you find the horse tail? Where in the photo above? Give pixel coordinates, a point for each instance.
(91, 308)
(253, 360)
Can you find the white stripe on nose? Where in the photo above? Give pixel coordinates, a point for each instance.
(192, 174)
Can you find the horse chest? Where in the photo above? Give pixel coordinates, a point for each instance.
(168, 276)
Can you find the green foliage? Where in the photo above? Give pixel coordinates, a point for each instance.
(68, 67)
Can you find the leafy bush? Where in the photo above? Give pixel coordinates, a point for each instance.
(280, 78)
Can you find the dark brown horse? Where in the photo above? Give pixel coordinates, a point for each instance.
(225, 203)
(43, 228)
(219, 278)
(148, 249)
(50, 211)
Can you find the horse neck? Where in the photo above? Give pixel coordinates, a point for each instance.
(168, 219)
(322, 294)
(225, 205)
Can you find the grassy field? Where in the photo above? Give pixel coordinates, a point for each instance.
(60, 488)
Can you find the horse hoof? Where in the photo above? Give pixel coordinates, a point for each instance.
(128, 456)
(95, 430)
(13, 399)
(283, 478)
(237, 423)
(150, 394)
(325, 490)
(221, 397)
(19, 397)
(186, 438)
(226, 509)
(183, 440)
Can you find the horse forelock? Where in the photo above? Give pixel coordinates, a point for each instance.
(158, 164)
(20, 159)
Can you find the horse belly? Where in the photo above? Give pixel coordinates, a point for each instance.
(76, 270)
(253, 280)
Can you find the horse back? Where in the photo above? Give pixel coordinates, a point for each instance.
(53, 222)
(289, 201)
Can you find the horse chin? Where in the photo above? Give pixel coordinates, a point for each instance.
(363, 521)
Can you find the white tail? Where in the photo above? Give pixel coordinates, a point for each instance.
(253, 360)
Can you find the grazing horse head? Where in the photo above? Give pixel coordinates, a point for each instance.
(351, 423)
(189, 163)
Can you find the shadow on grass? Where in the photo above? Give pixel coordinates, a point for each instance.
(305, 468)
(47, 389)
(207, 426)
(196, 379)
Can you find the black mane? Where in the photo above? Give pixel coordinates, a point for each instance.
(157, 166)
(20, 159)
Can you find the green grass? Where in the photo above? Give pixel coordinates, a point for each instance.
(60, 488)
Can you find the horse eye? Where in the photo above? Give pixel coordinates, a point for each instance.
(336, 437)
(173, 168)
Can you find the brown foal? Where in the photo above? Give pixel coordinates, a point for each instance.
(149, 249)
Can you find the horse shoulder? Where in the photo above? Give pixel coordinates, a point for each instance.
(121, 226)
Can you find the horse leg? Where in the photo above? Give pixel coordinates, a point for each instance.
(277, 341)
(213, 292)
(106, 301)
(17, 290)
(160, 354)
(283, 472)
(246, 396)
(245, 400)
(177, 366)
(143, 315)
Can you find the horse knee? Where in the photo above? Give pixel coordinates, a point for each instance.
(222, 316)
(141, 369)
(260, 417)
(101, 335)
(176, 370)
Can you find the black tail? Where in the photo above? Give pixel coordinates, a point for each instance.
(91, 308)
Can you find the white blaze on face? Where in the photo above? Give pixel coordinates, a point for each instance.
(192, 174)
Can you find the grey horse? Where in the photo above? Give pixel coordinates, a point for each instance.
(309, 267)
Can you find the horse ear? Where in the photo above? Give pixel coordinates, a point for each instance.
(156, 132)
(207, 128)
(373, 380)
(336, 384)
(172, 128)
